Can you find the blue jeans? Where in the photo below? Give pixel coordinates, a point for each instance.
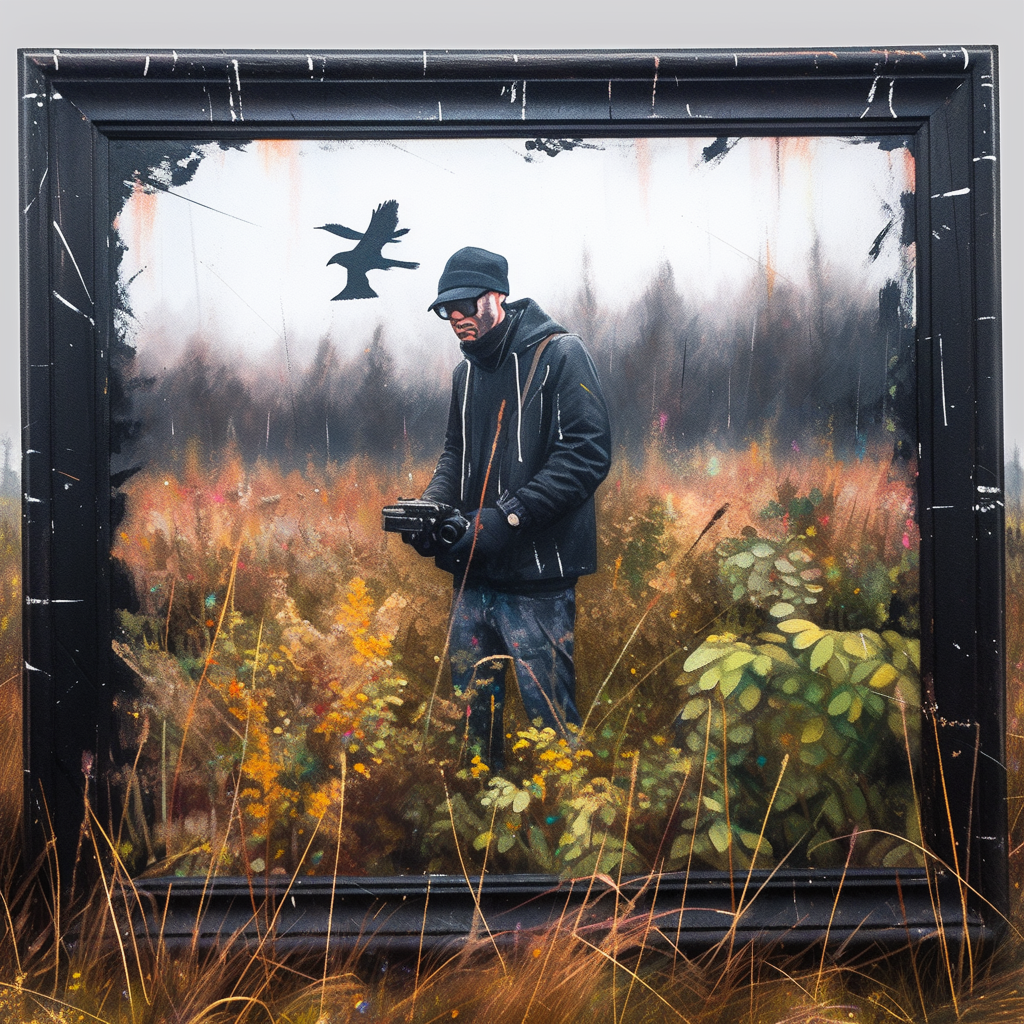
(490, 628)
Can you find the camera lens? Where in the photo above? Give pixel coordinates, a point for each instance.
(449, 533)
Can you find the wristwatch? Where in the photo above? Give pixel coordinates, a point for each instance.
(512, 509)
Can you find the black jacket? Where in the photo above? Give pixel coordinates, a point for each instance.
(553, 449)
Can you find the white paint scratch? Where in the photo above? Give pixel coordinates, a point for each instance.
(33, 501)
(561, 571)
(238, 85)
(32, 668)
(986, 318)
(987, 85)
(558, 416)
(440, 116)
(654, 85)
(522, 115)
(56, 600)
(424, 62)
(56, 60)
(71, 305)
(955, 192)
(513, 93)
(988, 156)
(967, 57)
(145, 70)
(536, 558)
(231, 100)
(74, 262)
(942, 378)
(735, 60)
(38, 191)
(174, 63)
(309, 62)
(892, 88)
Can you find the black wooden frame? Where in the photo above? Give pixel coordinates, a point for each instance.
(74, 102)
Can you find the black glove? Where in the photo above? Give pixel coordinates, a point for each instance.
(422, 542)
(493, 535)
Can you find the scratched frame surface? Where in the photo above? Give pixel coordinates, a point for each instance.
(73, 103)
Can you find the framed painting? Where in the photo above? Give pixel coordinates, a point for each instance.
(659, 570)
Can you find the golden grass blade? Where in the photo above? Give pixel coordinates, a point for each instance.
(167, 625)
(227, 1000)
(334, 881)
(465, 874)
(547, 956)
(465, 575)
(643, 942)
(831, 917)
(419, 956)
(693, 833)
(113, 919)
(281, 902)
(764, 825)
(725, 793)
(14, 934)
(931, 855)
(119, 868)
(633, 974)
(206, 666)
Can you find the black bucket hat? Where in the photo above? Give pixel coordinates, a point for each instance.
(471, 272)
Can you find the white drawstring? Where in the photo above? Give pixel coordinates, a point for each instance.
(465, 397)
(519, 417)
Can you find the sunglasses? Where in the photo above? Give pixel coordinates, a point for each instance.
(463, 307)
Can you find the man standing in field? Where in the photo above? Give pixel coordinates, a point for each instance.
(527, 444)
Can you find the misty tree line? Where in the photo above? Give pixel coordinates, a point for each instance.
(816, 365)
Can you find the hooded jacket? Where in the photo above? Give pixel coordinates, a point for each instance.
(553, 449)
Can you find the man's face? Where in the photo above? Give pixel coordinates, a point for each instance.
(489, 313)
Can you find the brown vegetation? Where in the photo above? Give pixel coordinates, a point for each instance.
(62, 960)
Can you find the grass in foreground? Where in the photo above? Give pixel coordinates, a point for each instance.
(64, 963)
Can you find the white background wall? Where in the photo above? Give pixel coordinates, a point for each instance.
(460, 24)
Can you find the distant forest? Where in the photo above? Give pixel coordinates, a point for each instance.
(817, 366)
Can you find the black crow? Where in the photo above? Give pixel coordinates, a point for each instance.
(367, 255)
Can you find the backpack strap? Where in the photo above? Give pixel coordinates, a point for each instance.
(536, 359)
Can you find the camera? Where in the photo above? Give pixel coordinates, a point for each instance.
(441, 524)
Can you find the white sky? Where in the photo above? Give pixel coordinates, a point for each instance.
(234, 253)
(531, 24)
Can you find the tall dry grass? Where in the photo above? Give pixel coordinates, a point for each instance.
(62, 960)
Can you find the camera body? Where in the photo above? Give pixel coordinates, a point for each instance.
(442, 524)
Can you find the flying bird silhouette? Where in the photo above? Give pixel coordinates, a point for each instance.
(367, 254)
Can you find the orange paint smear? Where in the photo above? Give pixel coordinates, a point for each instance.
(280, 160)
(901, 53)
(143, 222)
(907, 168)
(274, 152)
(643, 167)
